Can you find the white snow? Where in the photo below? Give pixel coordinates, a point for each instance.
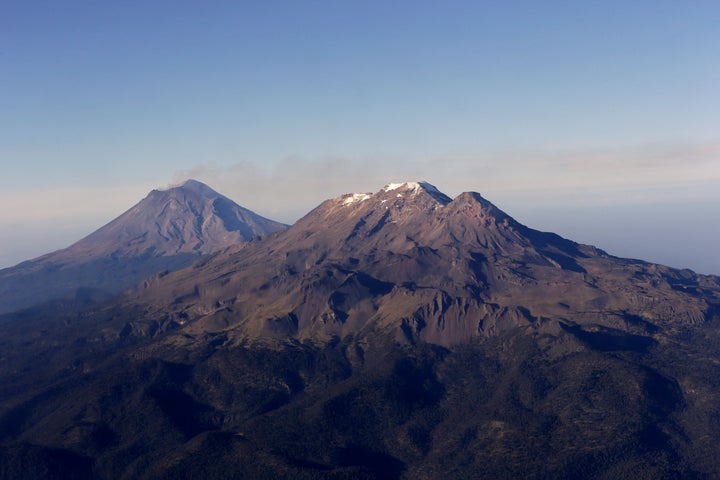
(414, 186)
(394, 186)
(406, 185)
(411, 187)
(355, 198)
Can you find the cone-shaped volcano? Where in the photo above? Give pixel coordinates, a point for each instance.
(167, 230)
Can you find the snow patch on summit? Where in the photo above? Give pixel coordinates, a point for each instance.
(356, 198)
(408, 186)
(399, 190)
(414, 186)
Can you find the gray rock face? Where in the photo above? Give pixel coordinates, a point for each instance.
(412, 263)
(167, 230)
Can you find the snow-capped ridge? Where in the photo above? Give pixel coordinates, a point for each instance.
(398, 190)
(406, 186)
(351, 198)
(416, 187)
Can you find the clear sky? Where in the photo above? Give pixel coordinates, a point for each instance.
(599, 120)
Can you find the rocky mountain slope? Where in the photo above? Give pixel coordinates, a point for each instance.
(394, 335)
(419, 266)
(167, 230)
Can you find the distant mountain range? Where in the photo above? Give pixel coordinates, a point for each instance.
(400, 334)
(167, 230)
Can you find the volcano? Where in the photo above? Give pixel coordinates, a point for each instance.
(167, 230)
(411, 263)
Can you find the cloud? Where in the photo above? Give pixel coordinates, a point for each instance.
(641, 174)
(290, 188)
(524, 183)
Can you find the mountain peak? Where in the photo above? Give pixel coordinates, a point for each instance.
(414, 188)
(418, 187)
(167, 230)
(195, 184)
(400, 190)
(405, 186)
(192, 185)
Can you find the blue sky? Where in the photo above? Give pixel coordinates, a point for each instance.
(597, 119)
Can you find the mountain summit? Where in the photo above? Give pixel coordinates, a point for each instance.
(190, 218)
(167, 230)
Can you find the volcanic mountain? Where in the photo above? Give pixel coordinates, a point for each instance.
(395, 335)
(416, 265)
(167, 230)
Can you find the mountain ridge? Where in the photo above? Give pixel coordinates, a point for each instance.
(410, 259)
